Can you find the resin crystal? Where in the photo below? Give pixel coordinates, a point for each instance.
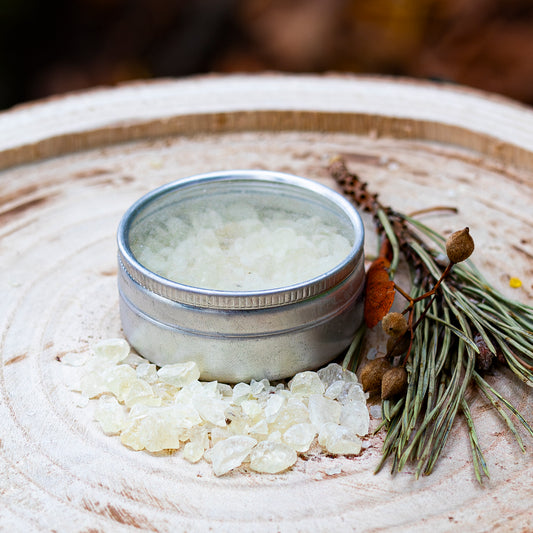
(228, 454)
(300, 436)
(272, 457)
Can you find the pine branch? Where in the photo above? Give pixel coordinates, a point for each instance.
(457, 327)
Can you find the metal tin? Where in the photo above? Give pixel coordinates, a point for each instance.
(232, 335)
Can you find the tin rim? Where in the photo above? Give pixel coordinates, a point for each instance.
(257, 299)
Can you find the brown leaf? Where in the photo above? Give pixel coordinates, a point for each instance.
(379, 292)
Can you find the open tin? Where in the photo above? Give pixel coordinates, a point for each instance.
(239, 335)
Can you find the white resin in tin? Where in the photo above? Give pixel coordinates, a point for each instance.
(238, 246)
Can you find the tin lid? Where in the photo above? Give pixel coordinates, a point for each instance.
(285, 190)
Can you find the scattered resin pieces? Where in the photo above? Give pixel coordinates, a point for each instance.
(194, 450)
(306, 383)
(179, 374)
(375, 411)
(333, 471)
(300, 436)
(354, 415)
(229, 453)
(112, 350)
(339, 440)
(75, 358)
(334, 372)
(110, 414)
(260, 425)
(272, 457)
(323, 410)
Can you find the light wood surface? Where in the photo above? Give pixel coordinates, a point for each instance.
(71, 167)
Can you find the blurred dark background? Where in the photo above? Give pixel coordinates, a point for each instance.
(54, 46)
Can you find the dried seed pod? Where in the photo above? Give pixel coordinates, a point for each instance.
(398, 345)
(394, 383)
(459, 246)
(484, 357)
(372, 373)
(394, 324)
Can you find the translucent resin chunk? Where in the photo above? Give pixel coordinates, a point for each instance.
(272, 457)
(228, 454)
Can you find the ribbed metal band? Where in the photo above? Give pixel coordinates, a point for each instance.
(234, 300)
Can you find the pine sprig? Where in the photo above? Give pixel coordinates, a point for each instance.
(459, 327)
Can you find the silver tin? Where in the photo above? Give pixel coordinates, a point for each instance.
(239, 336)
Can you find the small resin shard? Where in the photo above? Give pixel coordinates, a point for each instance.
(272, 457)
(300, 436)
(228, 454)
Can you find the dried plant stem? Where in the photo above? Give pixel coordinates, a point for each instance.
(353, 355)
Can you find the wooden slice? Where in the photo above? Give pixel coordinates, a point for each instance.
(72, 166)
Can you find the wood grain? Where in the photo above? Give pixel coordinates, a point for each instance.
(71, 167)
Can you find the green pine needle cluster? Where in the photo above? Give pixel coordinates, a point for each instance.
(466, 322)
